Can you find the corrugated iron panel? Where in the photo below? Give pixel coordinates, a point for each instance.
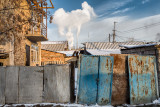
(88, 79)
(105, 80)
(120, 86)
(95, 80)
(142, 79)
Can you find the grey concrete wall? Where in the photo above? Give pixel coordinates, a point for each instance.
(35, 84)
(57, 83)
(2, 85)
(11, 90)
(30, 84)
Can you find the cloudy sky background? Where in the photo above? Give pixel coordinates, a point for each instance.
(138, 19)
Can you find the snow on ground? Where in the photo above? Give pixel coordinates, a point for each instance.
(53, 105)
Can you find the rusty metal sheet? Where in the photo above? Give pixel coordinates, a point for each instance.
(120, 86)
(95, 80)
(105, 80)
(87, 91)
(142, 79)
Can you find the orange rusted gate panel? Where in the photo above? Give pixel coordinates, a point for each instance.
(120, 86)
(142, 79)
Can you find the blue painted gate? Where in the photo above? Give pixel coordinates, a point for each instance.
(95, 80)
(142, 79)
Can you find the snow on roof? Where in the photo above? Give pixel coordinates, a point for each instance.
(68, 53)
(54, 42)
(136, 46)
(103, 51)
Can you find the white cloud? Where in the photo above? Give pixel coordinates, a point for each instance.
(70, 22)
(145, 1)
(112, 4)
(122, 11)
(99, 29)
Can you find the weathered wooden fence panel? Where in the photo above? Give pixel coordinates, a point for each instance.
(11, 91)
(120, 83)
(57, 83)
(105, 80)
(30, 84)
(87, 92)
(2, 85)
(142, 79)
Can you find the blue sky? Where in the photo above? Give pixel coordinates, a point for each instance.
(125, 12)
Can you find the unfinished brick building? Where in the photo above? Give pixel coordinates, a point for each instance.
(21, 31)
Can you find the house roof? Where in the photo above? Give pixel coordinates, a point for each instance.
(109, 45)
(54, 45)
(136, 46)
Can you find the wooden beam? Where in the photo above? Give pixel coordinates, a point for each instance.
(51, 3)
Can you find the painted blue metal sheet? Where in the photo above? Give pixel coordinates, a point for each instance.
(87, 91)
(105, 80)
(142, 79)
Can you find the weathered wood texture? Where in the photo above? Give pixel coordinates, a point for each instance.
(11, 91)
(30, 84)
(2, 85)
(120, 87)
(57, 83)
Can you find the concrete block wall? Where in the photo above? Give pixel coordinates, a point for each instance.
(22, 84)
(57, 83)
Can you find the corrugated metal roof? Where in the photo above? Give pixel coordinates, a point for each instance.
(109, 45)
(55, 45)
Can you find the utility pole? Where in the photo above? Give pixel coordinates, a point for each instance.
(109, 38)
(114, 32)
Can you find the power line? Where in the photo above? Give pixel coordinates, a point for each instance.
(140, 28)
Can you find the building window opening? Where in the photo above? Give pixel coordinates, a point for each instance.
(34, 53)
(1, 64)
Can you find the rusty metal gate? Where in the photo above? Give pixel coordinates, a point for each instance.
(95, 81)
(142, 79)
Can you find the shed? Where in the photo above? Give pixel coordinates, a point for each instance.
(56, 52)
